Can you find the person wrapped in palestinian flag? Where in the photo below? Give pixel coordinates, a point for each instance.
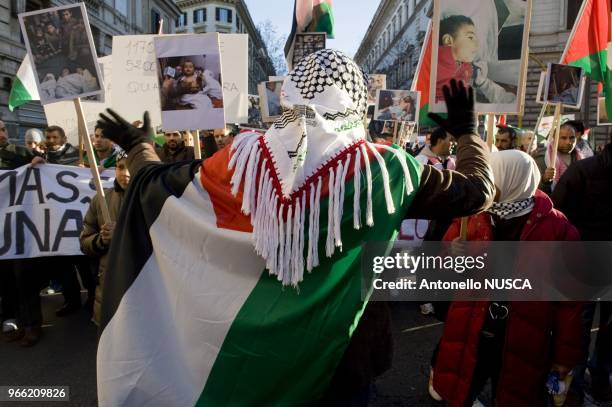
(237, 280)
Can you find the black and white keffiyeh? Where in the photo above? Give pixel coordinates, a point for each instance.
(514, 209)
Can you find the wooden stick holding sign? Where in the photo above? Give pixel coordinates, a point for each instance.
(197, 149)
(160, 31)
(556, 130)
(490, 130)
(92, 160)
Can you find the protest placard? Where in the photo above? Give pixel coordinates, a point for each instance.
(63, 114)
(307, 43)
(376, 81)
(484, 44)
(135, 88)
(62, 53)
(602, 114)
(397, 105)
(42, 209)
(564, 84)
(189, 78)
(269, 100)
(235, 76)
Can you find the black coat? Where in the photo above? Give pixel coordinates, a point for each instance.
(13, 156)
(584, 195)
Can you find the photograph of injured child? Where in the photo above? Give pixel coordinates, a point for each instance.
(563, 85)
(189, 75)
(484, 44)
(62, 54)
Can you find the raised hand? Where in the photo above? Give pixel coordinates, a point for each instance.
(461, 111)
(123, 133)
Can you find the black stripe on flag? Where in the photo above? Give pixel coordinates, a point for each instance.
(131, 246)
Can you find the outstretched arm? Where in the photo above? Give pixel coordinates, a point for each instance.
(469, 189)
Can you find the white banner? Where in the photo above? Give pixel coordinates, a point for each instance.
(63, 114)
(42, 209)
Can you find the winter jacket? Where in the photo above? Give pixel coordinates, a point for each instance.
(182, 153)
(67, 155)
(91, 241)
(584, 194)
(537, 333)
(13, 156)
(539, 157)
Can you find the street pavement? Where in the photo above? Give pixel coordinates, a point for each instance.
(66, 356)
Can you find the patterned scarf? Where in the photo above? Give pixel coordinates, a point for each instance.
(514, 209)
(303, 159)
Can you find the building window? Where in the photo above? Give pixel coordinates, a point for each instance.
(155, 19)
(400, 15)
(122, 7)
(223, 14)
(238, 23)
(181, 21)
(410, 7)
(573, 7)
(199, 15)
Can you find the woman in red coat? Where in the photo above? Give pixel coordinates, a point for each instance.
(517, 344)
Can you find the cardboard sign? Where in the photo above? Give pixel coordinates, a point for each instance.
(63, 114)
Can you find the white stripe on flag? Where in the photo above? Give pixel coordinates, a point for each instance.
(163, 340)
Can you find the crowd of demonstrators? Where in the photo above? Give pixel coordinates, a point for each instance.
(581, 189)
(515, 345)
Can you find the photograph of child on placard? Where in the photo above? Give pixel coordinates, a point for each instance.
(269, 100)
(563, 85)
(189, 76)
(376, 81)
(484, 44)
(396, 105)
(62, 53)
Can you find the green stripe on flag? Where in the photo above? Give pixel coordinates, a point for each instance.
(278, 367)
(322, 20)
(19, 95)
(595, 67)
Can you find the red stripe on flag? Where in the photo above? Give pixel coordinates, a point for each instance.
(591, 31)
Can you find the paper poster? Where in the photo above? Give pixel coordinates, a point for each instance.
(62, 53)
(63, 113)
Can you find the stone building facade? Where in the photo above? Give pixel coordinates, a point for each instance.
(227, 16)
(106, 17)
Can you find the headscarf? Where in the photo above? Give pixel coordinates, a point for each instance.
(319, 136)
(517, 178)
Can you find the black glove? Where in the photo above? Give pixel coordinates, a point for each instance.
(460, 105)
(123, 133)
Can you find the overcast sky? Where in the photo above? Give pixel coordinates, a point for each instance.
(351, 19)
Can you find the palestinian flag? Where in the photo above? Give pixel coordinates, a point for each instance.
(310, 16)
(24, 86)
(590, 45)
(421, 81)
(206, 304)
